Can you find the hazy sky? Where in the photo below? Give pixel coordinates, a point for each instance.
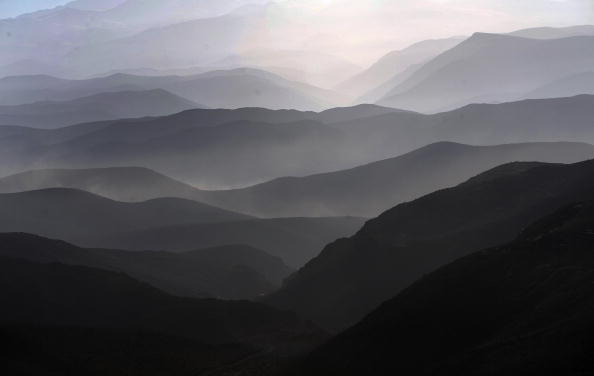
(11, 8)
(363, 30)
(372, 27)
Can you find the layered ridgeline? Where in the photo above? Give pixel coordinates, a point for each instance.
(103, 106)
(362, 191)
(230, 148)
(233, 88)
(353, 276)
(385, 75)
(217, 145)
(390, 67)
(527, 306)
(228, 272)
(164, 224)
(60, 318)
(147, 36)
(491, 68)
(369, 189)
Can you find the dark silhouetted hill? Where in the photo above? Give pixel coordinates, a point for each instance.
(353, 276)
(525, 307)
(59, 319)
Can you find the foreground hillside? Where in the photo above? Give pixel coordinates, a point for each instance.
(51, 311)
(353, 276)
(523, 307)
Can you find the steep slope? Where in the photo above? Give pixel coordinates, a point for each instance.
(395, 63)
(370, 189)
(490, 68)
(524, 306)
(229, 272)
(352, 276)
(72, 214)
(106, 106)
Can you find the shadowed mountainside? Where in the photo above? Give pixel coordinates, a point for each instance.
(352, 276)
(527, 306)
(66, 301)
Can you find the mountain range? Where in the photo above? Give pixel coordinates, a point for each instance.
(236, 187)
(470, 71)
(363, 191)
(367, 190)
(164, 224)
(215, 149)
(232, 88)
